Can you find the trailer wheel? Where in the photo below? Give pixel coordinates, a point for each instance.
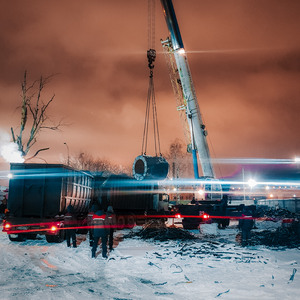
(59, 238)
(50, 238)
(17, 237)
(190, 224)
(223, 224)
(31, 236)
(56, 238)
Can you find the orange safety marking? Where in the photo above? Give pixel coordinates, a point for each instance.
(48, 264)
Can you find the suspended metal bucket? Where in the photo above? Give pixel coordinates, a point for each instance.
(150, 167)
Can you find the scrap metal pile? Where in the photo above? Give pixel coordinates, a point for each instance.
(158, 231)
(282, 237)
(286, 235)
(275, 213)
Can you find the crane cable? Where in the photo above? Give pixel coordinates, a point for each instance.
(151, 55)
(151, 24)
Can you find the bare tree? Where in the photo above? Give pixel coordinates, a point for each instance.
(33, 110)
(84, 161)
(178, 159)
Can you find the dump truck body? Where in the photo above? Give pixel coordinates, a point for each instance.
(39, 197)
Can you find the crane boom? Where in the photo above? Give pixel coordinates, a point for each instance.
(193, 115)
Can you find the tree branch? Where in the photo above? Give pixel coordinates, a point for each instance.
(32, 101)
(13, 134)
(36, 153)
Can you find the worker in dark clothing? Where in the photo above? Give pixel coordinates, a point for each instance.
(90, 216)
(246, 224)
(3, 205)
(223, 222)
(111, 221)
(100, 228)
(193, 200)
(69, 221)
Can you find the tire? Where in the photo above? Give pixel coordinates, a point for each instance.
(189, 224)
(31, 236)
(56, 238)
(50, 238)
(223, 223)
(19, 238)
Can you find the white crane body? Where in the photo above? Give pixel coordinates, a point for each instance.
(193, 115)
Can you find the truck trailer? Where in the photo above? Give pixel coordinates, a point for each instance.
(40, 194)
(39, 197)
(134, 201)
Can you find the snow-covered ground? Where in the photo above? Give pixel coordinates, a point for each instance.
(137, 269)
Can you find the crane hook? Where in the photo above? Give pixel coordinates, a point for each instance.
(151, 55)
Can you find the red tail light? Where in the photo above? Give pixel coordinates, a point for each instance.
(205, 216)
(177, 216)
(7, 226)
(53, 228)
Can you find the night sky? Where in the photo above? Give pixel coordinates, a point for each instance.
(244, 58)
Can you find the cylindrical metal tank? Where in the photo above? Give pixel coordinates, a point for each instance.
(150, 167)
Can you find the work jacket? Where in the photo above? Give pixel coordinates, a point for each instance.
(99, 224)
(69, 218)
(246, 223)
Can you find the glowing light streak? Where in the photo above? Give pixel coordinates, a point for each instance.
(226, 51)
(254, 161)
(202, 217)
(193, 182)
(129, 186)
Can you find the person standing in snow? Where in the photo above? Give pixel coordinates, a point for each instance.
(100, 231)
(3, 206)
(222, 212)
(193, 200)
(246, 224)
(111, 221)
(69, 221)
(90, 216)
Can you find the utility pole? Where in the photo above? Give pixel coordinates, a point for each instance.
(68, 153)
(243, 172)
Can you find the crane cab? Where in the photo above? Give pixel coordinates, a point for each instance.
(209, 189)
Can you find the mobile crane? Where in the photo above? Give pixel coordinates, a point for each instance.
(183, 86)
(188, 107)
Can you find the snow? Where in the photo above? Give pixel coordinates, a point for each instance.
(213, 267)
